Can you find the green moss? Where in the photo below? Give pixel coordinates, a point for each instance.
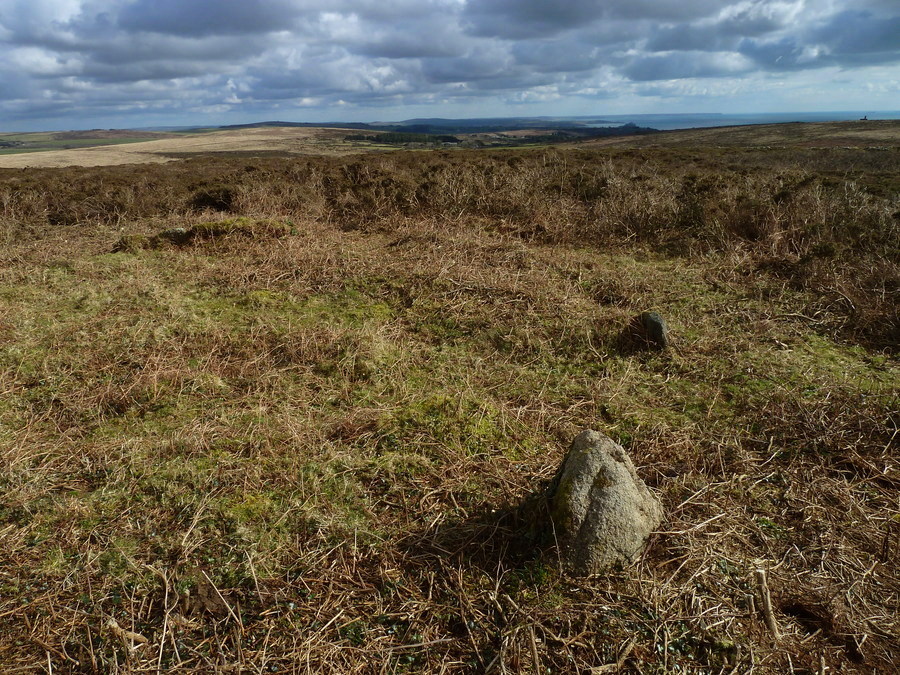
(401, 464)
(771, 528)
(462, 424)
(348, 307)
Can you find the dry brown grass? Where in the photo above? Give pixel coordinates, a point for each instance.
(297, 443)
(812, 219)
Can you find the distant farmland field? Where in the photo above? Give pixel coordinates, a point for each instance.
(40, 151)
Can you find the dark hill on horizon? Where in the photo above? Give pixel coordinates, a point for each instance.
(567, 128)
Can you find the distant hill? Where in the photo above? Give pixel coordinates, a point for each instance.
(497, 122)
(437, 126)
(319, 125)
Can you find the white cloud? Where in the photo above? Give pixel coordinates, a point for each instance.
(87, 59)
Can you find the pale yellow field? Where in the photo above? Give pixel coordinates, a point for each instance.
(298, 140)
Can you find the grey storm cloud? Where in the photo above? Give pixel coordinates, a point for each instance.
(746, 20)
(222, 17)
(409, 38)
(553, 56)
(679, 65)
(857, 32)
(537, 18)
(87, 56)
(527, 18)
(851, 38)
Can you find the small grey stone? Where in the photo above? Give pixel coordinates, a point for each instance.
(655, 329)
(601, 510)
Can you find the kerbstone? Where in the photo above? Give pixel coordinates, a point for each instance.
(602, 512)
(655, 330)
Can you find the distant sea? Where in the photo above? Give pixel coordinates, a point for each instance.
(667, 122)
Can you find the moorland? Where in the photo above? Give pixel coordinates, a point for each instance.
(271, 400)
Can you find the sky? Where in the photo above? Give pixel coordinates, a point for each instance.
(79, 64)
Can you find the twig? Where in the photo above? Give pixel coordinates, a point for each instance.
(222, 598)
(620, 660)
(766, 600)
(418, 645)
(125, 635)
(535, 656)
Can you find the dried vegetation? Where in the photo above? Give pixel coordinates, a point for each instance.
(291, 435)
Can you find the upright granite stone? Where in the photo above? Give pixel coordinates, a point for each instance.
(655, 330)
(602, 512)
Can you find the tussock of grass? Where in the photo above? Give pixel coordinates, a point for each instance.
(201, 233)
(279, 444)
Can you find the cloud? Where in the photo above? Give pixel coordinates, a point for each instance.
(243, 57)
(681, 65)
(407, 38)
(724, 31)
(517, 19)
(199, 18)
(855, 32)
(554, 56)
(847, 39)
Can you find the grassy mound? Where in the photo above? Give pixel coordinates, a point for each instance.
(240, 228)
